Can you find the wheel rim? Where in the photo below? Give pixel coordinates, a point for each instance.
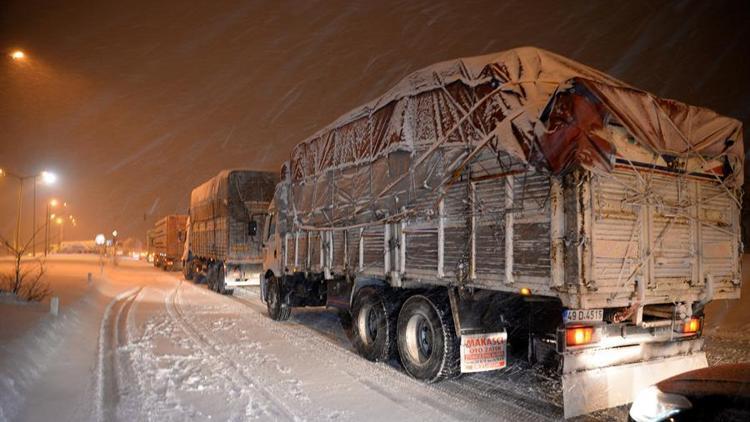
(367, 324)
(419, 338)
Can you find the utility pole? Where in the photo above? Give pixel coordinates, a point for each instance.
(48, 178)
(18, 215)
(33, 224)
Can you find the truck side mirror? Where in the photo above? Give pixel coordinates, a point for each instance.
(252, 228)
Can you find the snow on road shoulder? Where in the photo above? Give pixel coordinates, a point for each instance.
(45, 360)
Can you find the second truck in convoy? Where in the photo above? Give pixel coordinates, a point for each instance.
(227, 214)
(168, 239)
(517, 198)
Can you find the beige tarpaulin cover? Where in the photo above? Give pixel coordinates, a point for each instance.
(541, 108)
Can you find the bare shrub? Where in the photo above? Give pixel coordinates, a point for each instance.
(25, 280)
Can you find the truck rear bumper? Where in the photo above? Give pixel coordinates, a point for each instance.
(251, 280)
(240, 283)
(601, 378)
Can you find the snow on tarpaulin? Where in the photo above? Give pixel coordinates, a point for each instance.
(221, 210)
(213, 199)
(527, 106)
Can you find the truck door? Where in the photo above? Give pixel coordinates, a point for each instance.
(271, 244)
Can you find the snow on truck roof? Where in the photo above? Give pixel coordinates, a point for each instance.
(541, 107)
(211, 188)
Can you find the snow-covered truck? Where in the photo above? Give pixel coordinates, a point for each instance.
(168, 238)
(227, 214)
(520, 199)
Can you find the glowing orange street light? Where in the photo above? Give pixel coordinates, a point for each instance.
(18, 55)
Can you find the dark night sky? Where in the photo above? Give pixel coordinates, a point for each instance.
(134, 103)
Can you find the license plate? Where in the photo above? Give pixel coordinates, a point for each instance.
(483, 352)
(583, 315)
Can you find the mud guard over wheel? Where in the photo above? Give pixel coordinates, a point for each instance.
(277, 310)
(373, 323)
(427, 342)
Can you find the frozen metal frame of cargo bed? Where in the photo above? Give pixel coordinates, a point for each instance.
(227, 214)
(168, 241)
(525, 172)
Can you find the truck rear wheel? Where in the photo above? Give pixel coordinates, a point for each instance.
(427, 342)
(220, 279)
(199, 275)
(373, 325)
(277, 310)
(211, 277)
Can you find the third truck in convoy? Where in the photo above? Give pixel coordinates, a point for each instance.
(516, 199)
(226, 219)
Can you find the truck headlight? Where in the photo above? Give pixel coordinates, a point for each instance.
(653, 405)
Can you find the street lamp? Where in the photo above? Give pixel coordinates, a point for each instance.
(48, 178)
(17, 55)
(51, 204)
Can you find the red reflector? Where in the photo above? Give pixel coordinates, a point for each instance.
(692, 326)
(577, 336)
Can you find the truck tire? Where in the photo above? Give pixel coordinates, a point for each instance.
(277, 310)
(373, 325)
(427, 342)
(220, 284)
(211, 277)
(199, 276)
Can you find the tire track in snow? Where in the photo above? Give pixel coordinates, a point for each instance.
(451, 397)
(380, 378)
(387, 381)
(108, 366)
(203, 341)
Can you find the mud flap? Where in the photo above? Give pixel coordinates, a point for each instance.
(589, 390)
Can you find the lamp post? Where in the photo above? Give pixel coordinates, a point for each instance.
(48, 178)
(114, 247)
(51, 204)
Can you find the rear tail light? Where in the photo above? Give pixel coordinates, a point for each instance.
(691, 326)
(578, 336)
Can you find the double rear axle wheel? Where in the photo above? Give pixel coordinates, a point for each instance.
(215, 278)
(421, 334)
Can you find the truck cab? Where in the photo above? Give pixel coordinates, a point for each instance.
(271, 244)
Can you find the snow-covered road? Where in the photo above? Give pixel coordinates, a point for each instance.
(141, 344)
